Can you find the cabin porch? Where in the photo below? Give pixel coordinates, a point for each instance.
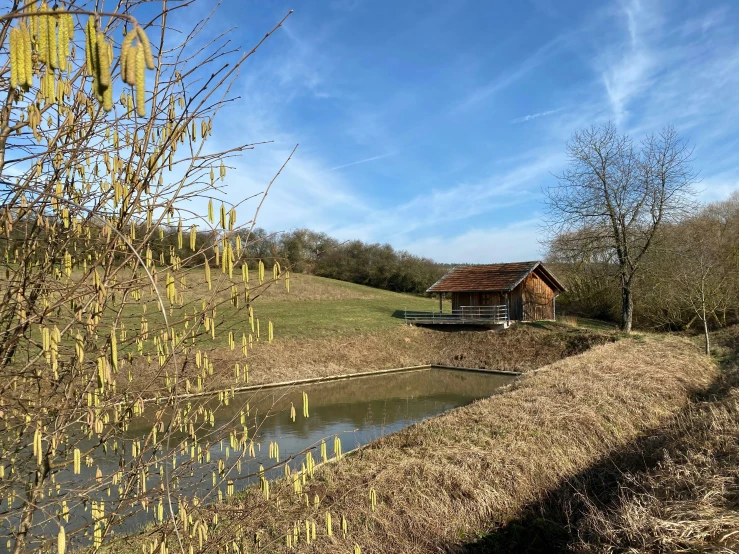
(491, 316)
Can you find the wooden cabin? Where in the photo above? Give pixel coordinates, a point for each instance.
(520, 291)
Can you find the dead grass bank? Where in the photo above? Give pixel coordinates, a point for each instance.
(520, 348)
(442, 482)
(688, 501)
(674, 489)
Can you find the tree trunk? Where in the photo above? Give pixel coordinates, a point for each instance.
(627, 307)
(705, 320)
(708, 339)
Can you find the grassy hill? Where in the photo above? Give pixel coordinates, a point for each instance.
(326, 327)
(317, 307)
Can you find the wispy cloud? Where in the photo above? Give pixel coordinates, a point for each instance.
(504, 243)
(535, 116)
(372, 159)
(503, 81)
(629, 68)
(636, 63)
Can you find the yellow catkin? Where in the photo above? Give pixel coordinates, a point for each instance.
(206, 266)
(193, 237)
(103, 66)
(63, 40)
(27, 78)
(37, 449)
(16, 62)
(108, 99)
(231, 219)
(61, 541)
(130, 75)
(43, 35)
(144, 41)
(337, 448)
(223, 216)
(90, 47)
(140, 82)
(66, 32)
(113, 351)
(53, 47)
(211, 216)
(128, 59)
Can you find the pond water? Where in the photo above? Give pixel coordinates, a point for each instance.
(358, 410)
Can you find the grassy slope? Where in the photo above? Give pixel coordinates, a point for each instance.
(315, 307)
(440, 482)
(326, 327)
(318, 307)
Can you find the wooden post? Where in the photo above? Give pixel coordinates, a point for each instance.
(441, 309)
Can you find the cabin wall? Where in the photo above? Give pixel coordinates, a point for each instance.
(532, 300)
(460, 299)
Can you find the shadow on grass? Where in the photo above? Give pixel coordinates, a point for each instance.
(551, 523)
(399, 314)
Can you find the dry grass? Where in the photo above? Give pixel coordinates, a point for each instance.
(673, 489)
(520, 348)
(442, 481)
(689, 500)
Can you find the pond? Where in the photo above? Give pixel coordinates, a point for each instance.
(358, 410)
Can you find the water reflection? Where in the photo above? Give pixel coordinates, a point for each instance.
(358, 410)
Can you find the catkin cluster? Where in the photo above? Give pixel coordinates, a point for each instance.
(134, 58)
(47, 33)
(99, 56)
(21, 62)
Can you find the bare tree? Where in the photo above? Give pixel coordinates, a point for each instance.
(613, 198)
(700, 283)
(694, 272)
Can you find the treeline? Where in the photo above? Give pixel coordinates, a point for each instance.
(374, 265)
(302, 250)
(689, 275)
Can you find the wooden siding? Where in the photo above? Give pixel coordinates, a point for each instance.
(535, 299)
(460, 299)
(531, 300)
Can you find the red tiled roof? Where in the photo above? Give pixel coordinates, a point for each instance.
(491, 277)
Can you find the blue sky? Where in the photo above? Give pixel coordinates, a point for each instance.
(433, 126)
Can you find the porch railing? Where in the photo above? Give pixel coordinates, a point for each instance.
(463, 314)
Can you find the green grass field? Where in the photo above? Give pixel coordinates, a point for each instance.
(317, 307)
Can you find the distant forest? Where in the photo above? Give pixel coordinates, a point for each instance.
(374, 265)
(691, 273)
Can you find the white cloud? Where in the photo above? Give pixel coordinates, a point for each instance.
(365, 160)
(487, 245)
(630, 65)
(538, 57)
(663, 73)
(529, 117)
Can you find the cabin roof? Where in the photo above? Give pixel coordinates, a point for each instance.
(492, 277)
